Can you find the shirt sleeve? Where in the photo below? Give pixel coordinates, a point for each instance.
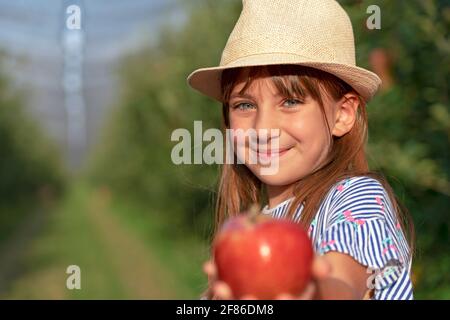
(362, 224)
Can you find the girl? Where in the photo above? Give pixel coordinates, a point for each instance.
(290, 65)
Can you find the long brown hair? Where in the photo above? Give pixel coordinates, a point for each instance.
(239, 188)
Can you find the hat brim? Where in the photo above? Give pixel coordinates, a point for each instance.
(208, 80)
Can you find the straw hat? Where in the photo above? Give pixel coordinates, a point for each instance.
(313, 33)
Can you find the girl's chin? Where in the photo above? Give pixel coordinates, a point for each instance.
(277, 179)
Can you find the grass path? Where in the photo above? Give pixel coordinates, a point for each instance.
(139, 272)
(115, 262)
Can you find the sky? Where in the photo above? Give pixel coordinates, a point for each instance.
(72, 83)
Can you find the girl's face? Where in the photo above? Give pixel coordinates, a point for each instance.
(303, 138)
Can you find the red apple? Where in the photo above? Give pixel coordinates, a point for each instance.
(263, 257)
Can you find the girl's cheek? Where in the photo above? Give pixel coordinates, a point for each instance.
(240, 123)
(295, 128)
(306, 126)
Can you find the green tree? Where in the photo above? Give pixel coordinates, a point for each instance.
(29, 165)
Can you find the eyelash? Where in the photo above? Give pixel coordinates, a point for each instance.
(237, 106)
(296, 101)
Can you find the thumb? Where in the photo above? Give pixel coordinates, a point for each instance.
(321, 268)
(210, 269)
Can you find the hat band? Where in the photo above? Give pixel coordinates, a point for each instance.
(298, 46)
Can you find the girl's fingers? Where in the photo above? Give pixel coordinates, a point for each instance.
(210, 269)
(321, 268)
(309, 292)
(285, 296)
(221, 291)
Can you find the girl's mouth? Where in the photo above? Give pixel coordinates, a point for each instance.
(266, 155)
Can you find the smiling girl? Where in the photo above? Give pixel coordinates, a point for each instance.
(290, 66)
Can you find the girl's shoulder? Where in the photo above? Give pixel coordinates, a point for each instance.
(355, 183)
(363, 196)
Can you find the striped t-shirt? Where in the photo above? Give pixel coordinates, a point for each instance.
(357, 218)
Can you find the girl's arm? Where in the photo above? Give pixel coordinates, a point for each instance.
(346, 279)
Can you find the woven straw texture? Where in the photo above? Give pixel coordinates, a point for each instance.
(314, 33)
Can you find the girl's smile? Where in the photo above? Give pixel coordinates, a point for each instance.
(269, 155)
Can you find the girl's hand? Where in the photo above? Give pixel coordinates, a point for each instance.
(221, 291)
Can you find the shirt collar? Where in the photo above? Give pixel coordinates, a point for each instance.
(267, 210)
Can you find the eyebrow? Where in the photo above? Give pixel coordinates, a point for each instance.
(241, 95)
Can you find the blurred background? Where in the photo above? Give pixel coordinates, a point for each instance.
(86, 117)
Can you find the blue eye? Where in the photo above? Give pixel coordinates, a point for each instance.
(243, 106)
(291, 102)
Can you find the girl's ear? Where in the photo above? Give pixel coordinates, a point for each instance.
(346, 111)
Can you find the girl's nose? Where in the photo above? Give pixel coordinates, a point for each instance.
(265, 118)
(266, 124)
